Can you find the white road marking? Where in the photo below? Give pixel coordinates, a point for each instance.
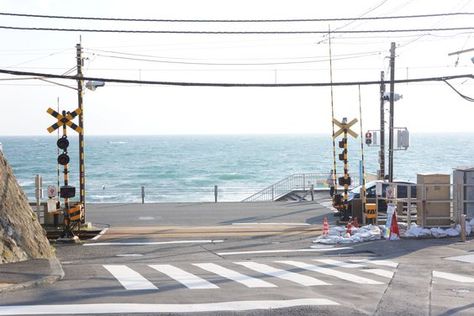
(338, 274)
(282, 274)
(273, 224)
(341, 264)
(102, 232)
(386, 263)
(129, 255)
(130, 279)
(121, 308)
(234, 275)
(146, 218)
(453, 277)
(280, 251)
(189, 280)
(154, 243)
(465, 258)
(380, 272)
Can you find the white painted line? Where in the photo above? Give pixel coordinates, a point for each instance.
(120, 308)
(129, 255)
(102, 232)
(386, 263)
(453, 277)
(146, 218)
(280, 251)
(338, 274)
(282, 274)
(465, 258)
(341, 264)
(130, 279)
(281, 224)
(234, 275)
(380, 272)
(118, 243)
(189, 280)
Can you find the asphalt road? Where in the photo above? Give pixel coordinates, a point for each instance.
(222, 259)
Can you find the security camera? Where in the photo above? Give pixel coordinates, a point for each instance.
(92, 85)
(396, 96)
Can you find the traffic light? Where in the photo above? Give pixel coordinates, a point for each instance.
(63, 144)
(368, 138)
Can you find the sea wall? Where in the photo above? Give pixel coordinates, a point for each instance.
(21, 235)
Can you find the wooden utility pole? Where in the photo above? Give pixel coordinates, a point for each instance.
(391, 99)
(82, 175)
(382, 127)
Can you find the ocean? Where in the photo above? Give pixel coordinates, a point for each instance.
(186, 168)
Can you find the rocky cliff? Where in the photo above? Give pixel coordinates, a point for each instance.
(21, 235)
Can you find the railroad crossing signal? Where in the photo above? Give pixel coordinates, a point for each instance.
(64, 120)
(346, 179)
(345, 127)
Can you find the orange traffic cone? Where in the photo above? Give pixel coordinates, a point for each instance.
(394, 232)
(325, 227)
(349, 228)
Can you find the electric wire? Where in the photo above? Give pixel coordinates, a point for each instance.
(465, 97)
(414, 16)
(189, 32)
(231, 85)
(349, 56)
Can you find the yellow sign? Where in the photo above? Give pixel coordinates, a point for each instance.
(64, 120)
(345, 127)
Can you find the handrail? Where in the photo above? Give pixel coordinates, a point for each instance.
(297, 181)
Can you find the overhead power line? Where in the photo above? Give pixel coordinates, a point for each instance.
(230, 85)
(21, 28)
(415, 16)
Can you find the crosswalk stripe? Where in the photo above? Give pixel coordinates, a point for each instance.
(386, 263)
(453, 277)
(282, 274)
(234, 275)
(130, 279)
(338, 263)
(189, 280)
(338, 274)
(152, 309)
(380, 272)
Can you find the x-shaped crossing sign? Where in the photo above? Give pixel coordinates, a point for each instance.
(345, 127)
(64, 120)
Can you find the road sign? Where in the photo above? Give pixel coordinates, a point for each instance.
(345, 126)
(64, 120)
(52, 191)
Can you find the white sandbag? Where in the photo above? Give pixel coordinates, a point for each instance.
(425, 232)
(469, 229)
(327, 240)
(413, 231)
(438, 232)
(453, 232)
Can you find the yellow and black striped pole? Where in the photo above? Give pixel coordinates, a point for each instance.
(82, 164)
(346, 177)
(345, 181)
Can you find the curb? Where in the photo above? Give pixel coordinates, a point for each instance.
(56, 273)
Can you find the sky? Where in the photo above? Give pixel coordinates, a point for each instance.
(127, 109)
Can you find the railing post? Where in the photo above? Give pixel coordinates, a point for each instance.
(215, 194)
(409, 207)
(312, 192)
(304, 182)
(38, 195)
(143, 194)
(273, 193)
(463, 227)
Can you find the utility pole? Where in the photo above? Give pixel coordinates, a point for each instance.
(382, 127)
(391, 99)
(82, 175)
